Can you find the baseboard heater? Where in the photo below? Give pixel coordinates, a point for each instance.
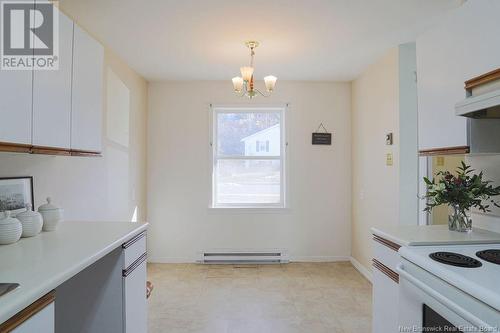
(244, 257)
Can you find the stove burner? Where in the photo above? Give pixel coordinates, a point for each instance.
(455, 259)
(492, 256)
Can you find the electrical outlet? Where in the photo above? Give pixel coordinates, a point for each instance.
(388, 160)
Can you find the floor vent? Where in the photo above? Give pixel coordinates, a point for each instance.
(244, 257)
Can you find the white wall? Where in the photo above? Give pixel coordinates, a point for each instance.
(375, 186)
(317, 226)
(100, 188)
(408, 135)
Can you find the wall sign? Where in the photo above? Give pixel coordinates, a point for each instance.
(322, 138)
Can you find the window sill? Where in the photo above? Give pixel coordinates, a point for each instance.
(249, 210)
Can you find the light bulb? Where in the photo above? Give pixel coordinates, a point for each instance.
(270, 82)
(246, 73)
(238, 84)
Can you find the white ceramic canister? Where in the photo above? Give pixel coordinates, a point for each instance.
(10, 229)
(31, 221)
(51, 215)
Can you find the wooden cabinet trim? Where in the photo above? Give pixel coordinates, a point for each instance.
(78, 152)
(50, 151)
(458, 150)
(385, 270)
(30, 149)
(27, 313)
(15, 147)
(482, 79)
(393, 246)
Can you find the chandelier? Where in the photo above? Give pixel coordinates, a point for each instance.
(244, 85)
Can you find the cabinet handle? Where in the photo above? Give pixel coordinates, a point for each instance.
(393, 246)
(133, 240)
(385, 270)
(134, 265)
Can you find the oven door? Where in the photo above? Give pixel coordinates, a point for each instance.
(422, 308)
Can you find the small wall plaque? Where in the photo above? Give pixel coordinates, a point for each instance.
(322, 138)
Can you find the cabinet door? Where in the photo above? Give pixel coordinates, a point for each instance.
(52, 95)
(447, 55)
(385, 303)
(41, 322)
(135, 304)
(15, 105)
(86, 117)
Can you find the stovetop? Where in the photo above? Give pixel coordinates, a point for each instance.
(490, 255)
(474, 274)
(455, 259)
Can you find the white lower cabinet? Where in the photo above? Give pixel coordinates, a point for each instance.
(135, 306)
(385, 303)
(41, 322)
(135, 313)
(385, 286)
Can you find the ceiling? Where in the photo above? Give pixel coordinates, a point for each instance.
(300, 39)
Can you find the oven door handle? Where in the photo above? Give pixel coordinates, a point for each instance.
(443, 300)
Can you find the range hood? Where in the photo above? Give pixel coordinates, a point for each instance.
(482, 97)
(483, 106)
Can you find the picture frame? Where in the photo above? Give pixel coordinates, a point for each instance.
(15, 193)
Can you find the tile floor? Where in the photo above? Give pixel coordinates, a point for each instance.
(297, 297)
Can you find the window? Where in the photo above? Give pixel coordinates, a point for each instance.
(248, 155)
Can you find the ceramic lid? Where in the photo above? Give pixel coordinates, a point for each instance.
(48, 206)
(6, 219)
(27, 213)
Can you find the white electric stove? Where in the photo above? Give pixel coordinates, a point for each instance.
(450, 288)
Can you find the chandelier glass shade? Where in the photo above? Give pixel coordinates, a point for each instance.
(244, 85)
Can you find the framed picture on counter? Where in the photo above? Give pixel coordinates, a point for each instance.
(16, 193)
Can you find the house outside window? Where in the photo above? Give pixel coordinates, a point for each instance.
(248, 157)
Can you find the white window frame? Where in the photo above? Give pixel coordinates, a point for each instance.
(214, 111)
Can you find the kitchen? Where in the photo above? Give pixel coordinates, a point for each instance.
(118, 135)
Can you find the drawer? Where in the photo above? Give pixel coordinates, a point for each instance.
(38, 317)
(134, 249)
(134, 298)
(386, 252)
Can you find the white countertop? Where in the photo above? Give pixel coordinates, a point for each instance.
(41, 263)
(410, 235)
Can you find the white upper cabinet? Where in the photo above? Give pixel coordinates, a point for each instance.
(15, 106)
(86, 118)
(52, 95)
(463, 45)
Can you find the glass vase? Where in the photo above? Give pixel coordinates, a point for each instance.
(459, 219)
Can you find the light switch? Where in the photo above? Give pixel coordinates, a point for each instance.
(389, 139)
(388, 160)
(440, 161)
